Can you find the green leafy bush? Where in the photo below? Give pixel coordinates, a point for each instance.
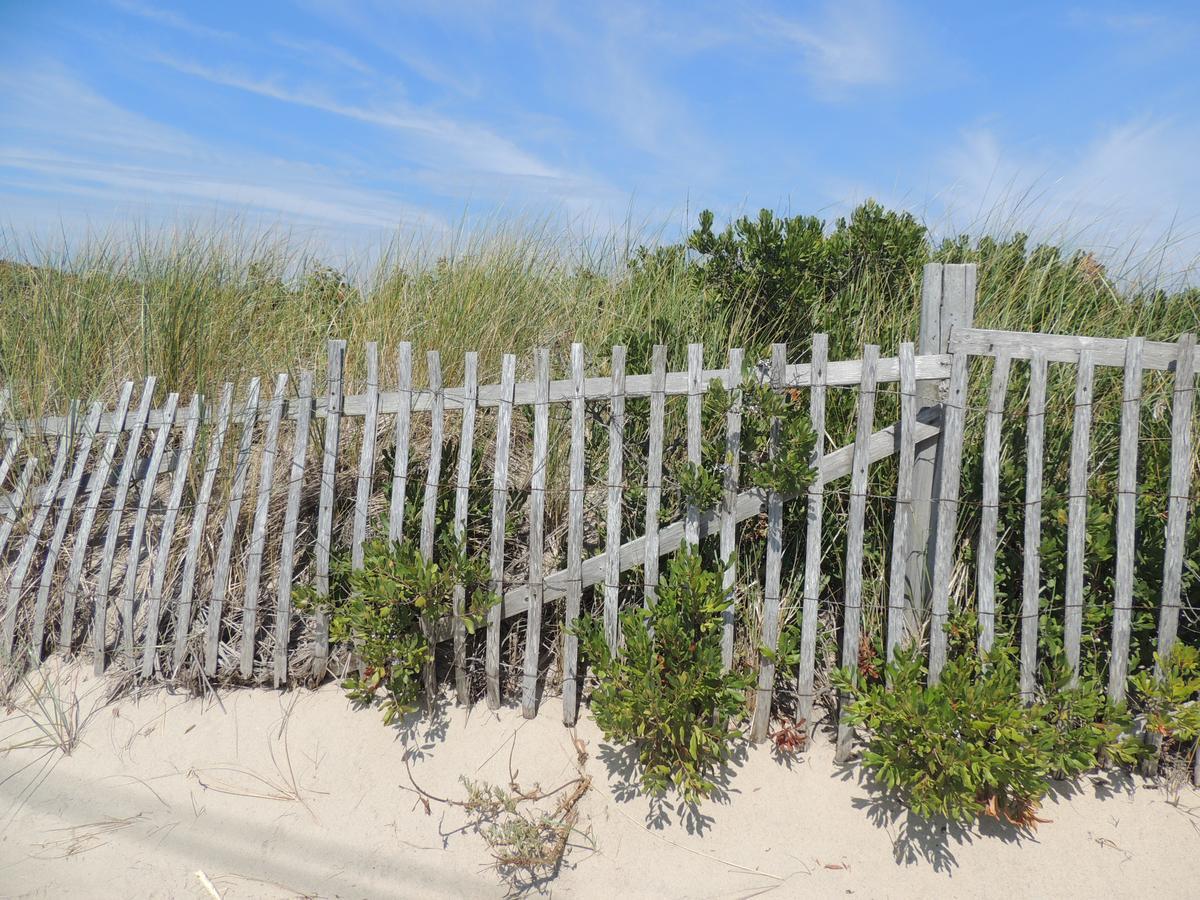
(971, 746)
(665, 690)
(1170, 704)
(385, 611)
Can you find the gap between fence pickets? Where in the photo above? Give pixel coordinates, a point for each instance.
(834, 465)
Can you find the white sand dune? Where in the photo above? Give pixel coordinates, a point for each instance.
(264, 794)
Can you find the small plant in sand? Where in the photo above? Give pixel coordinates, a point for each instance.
(385, 612)
(665, 690)
(1169, 703)
(971, 745)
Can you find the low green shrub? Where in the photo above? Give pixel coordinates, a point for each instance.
(665, 690)
(385, 611)
(971, 745)
(1170, 705)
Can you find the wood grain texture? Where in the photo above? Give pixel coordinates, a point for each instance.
(433, 474)
(137, 427)
(462, 505)
(229, 529)
(291, 521)
(129, 593)
(731, 475)
(537, 525)
(258, 530)
(1131, 408)
(989, 515)
(191, 555)
(162, 556)
(366, 458)
(9, 457)
(1160, 355)
(1031, 580)
(654, 465)
(814, 513)
(334, 388)
(855, 532)
(760, 720)
(83, 450)
(572, 576)
(404, 401)
(1077, 505)
(906, 454)
(616, 477)
(17, 502)
(950, 450)
(508, 369)
(695, 437)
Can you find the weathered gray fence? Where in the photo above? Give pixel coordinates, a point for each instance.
(168, 600)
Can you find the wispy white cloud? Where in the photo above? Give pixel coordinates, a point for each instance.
(172, 19)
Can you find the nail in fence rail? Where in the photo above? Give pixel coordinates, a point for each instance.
(291, 521)
(731, 470)
(462, 498)
(1031, 581)
(906, 449)
(537, 524)
(574, 570)
(1131, 407)
(508, 370)
(812, 537)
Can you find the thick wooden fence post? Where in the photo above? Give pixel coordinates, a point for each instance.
(947, 301)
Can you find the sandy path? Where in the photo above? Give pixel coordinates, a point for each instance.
(274, 795)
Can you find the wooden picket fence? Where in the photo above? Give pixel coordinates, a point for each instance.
(102, 499)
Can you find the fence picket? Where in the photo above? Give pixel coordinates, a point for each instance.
(366, 459)
(732, 474)
(18, 500)
(812, 535)
(574, 570)
(1077, 512)
(137, 539)
(989, 519)
(654, 462)
(402, 440)
(950, 448)
(855, 527)
(433, 473)
(761, 717)
(906, 449)
(191, 554)
(508, 372)
(537, 525)
(16, 583)
(291, 518)
(233, 509)
(10, 454)
(1177, 504)
(162, 556)
(82, 454)
(333, 421)
(691, 528)
(616, 475)
(462, 499)
(258, 531)
(1031, 582)
(1131, 407)
(100, 612)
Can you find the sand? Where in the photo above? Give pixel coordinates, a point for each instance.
(266, 794)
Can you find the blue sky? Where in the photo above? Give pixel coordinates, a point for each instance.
(348, 121)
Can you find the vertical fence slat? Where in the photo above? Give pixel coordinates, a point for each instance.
(291, 518)
(616, 475)
(575, 499)
(83, 453)
(732, 473)
(812, 538)
(989, 516)
(462, 500)
(691, 525)
(508, 370)
(224, 564)
(137, 540)
(1131, 408)
(855, 527)
(1177, 502)
(950, 449)
(433, 474)
(772, 578)
(100, 611)
(366, 458)
(32, 539)
(191, 554)
(10, 454)
(537, 544)
(1077, 512)
(906, 454)
(258, 531)
(1031, 581)
(402, 440)
(333, 430)
(18, 500)
(162, 556)
(654, 461)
